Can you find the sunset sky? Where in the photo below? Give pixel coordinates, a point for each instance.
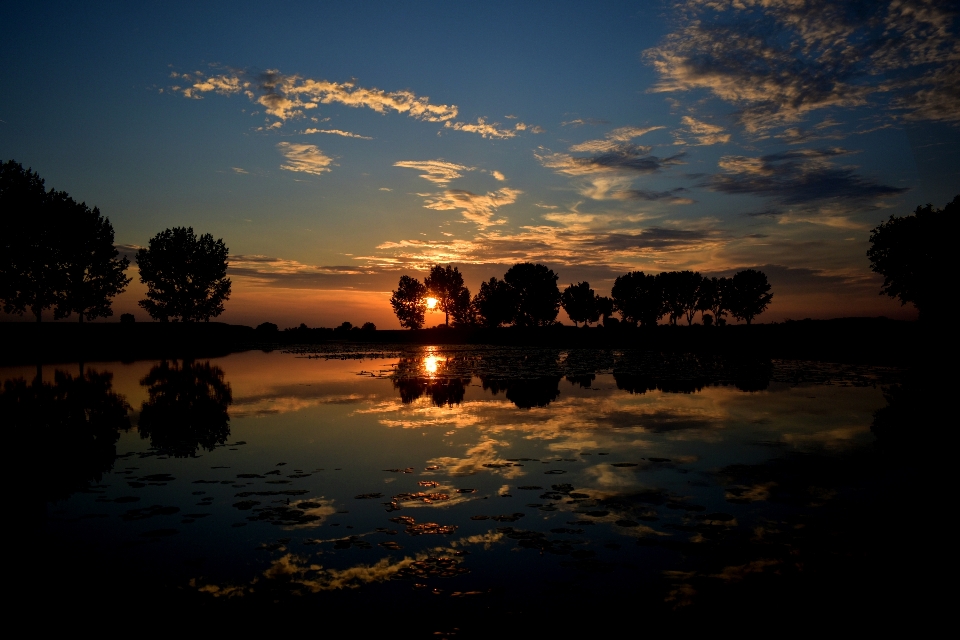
(336, 146)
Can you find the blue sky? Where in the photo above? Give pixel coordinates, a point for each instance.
(335, 147)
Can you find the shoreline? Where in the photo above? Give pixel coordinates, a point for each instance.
(878, 341)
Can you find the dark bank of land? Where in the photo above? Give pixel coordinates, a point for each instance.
(879, 341)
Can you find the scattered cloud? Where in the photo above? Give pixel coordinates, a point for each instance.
(579, 122)
(438, 172)
(778, 61)
(304, 158)
(485, 129)
(476, 208)
(337, 132)
(801, 176)
(239, 170)
(498, 176)
(703, 132)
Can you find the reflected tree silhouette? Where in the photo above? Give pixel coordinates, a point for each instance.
(526, 393)
(442, 392)
(77, 421)
(412, 384)
(187, 408)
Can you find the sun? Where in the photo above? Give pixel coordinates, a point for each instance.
(431, 303)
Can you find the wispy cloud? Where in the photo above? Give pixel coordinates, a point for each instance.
(288, 96)
(239, 170)
(703, 133)
(438, 172)
(477, 208)
(801, 176)
(304, 158)
(482, 127)
(778, 61)
(579, 122)
(337, 132)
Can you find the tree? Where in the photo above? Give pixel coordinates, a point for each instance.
(54, 251)
(409, 302)
(910, 252)
(680, 294)
(29, 249)
(92, 273)
(446, 285)
(462, 310)
(494, 304)
(714, 296)
(638, 298)
(604, 308)
(580, 303)
(536, 294)
(186, 276)
(750, 294)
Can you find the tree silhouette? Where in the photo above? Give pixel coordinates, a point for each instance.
(680, 290)
(494, 303)
(638, 298)
(462, 309)
(186, 409)
(409, 302)
(54, 251)
(714, 296)
(604, 308)
(27, 266)
(750, 294)
(446, 285)
(910, 252)
(186, 276)
(537, 296)
(91, 270)
(580, 303)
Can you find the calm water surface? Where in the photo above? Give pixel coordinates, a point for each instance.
(487, 475)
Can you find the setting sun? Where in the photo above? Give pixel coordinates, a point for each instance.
(431, 303)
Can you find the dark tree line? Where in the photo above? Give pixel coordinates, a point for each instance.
(528, 296)
(55, 252)
(58, 253)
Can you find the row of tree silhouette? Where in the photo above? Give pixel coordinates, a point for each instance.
(527, 393)
(79, 418)
(528, 296)
(56, 252)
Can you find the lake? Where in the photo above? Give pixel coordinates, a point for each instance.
(458, 479)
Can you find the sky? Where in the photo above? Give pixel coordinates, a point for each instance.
(335, 147)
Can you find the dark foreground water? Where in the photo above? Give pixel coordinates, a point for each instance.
(457, 489)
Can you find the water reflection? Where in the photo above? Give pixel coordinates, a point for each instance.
(615, 474)
(187, 408)
(76, 422)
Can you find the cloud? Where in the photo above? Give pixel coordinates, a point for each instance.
(613, 140)
(482, 127)
(239, 170)
(287, 96)
(801, 176)
(436, 171)
(304, 158)
(626, 158)
(778, 61)
(579, 122)
(337, 132)
(703, 132)
(476, 208)
(270, 270)
(498, 176)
